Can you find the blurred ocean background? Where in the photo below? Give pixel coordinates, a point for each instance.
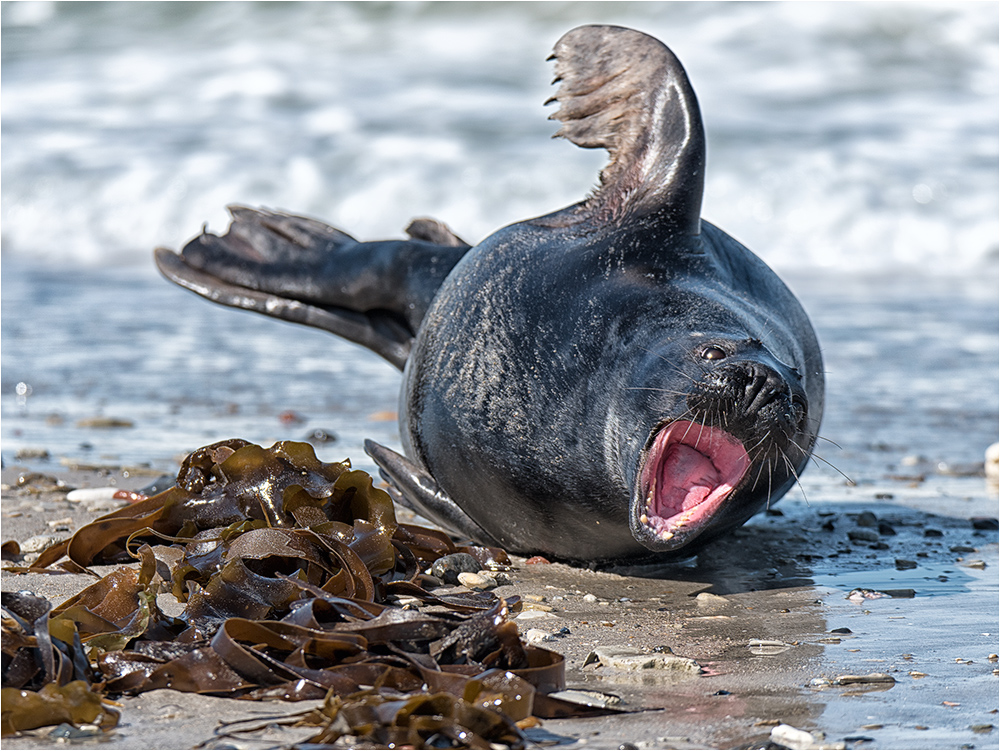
(853, 146)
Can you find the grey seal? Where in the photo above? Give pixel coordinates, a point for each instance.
(616, 381)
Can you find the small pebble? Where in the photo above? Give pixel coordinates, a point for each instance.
(708, 600)
(501, 578)
(476, 581)
(984, 728)
(631, 659)
(536, 559)
(974, 563)
(104, 422)
(534, 615)
(858, 595)
(886, 529)
(767, 647)
(867, 519)
(82, 495)
(26, 454)
(590, 598)
(933, 533)
(904, 565)
(985, 522)
(863, 534)
(321, 436)
(791, 737)
(37, 543)
(448, 567)
(537, 636)
(587, 698)
(66, 731)
(846, 680)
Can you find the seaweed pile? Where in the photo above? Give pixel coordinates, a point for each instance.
(291, 571)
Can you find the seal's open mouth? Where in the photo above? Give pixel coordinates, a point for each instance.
(689, 472)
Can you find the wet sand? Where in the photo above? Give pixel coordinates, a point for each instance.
(763, 612)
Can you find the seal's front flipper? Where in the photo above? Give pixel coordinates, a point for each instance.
(420, 493)
(304, 271)
(625, 91)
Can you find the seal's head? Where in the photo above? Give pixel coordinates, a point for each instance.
(740, 437)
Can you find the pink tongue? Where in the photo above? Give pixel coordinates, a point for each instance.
(686, 479)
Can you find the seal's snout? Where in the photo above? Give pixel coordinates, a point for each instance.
(698, 474)
(751, 399)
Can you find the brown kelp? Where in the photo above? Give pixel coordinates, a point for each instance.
(291, 572)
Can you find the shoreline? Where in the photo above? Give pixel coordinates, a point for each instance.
(758, 611)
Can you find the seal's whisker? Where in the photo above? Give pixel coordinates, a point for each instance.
(769, 478)
(766, 436)
(824, 438)
(792, 442)
(791, 468)
(652, 388)
(817, 458)
(760, 469)
(701, 430)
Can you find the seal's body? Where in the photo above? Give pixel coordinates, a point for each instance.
(610, 382)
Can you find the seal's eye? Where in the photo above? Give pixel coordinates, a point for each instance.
(713, 353)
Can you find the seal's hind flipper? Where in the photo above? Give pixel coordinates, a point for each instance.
(626, 92)
(420, 493)
(301, 270)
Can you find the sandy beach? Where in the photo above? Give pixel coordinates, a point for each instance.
(766, 614)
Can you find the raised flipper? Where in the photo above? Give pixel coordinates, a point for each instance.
(626, 92)
(419, 492)
(304, 271)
